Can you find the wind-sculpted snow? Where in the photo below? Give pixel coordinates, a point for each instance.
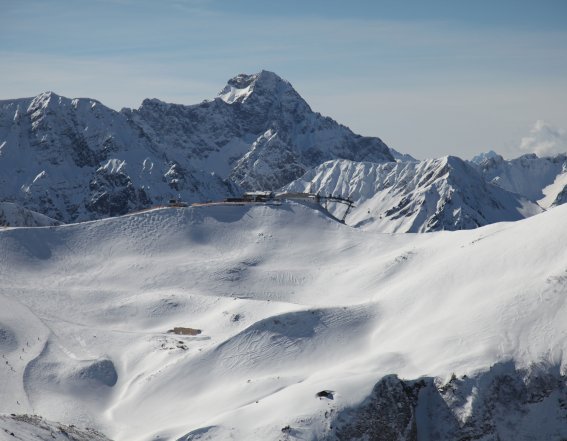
(307, 328)
(431, 195)
(57, 374)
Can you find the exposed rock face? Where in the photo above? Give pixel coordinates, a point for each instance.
(503, 403)
(432, 195)
(387, 415)
(259, 131)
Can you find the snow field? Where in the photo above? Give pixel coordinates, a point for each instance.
(289, 303)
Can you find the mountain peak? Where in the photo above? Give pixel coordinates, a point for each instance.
(241, 87)
(52, 101)
(485, 156)
(48, 95)
(44, 100)
(154, 102)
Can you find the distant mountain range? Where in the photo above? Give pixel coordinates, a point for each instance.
(76, 160)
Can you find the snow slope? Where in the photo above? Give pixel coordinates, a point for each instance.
(289, 303)
(12, 215)
(431, 195)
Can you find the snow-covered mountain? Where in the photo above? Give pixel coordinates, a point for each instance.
(12, 215)
(258, 132)
(431, 195)
(75, 159)
(297, 327)
(539, 179)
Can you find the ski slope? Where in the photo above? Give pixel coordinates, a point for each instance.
(289, 303)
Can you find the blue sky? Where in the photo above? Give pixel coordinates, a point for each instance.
(429, 77)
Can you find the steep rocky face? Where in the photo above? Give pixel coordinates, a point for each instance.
(561, 197)
(432, 195)
(258, 131)
(388, 414)
(504, 403)
(538, 179)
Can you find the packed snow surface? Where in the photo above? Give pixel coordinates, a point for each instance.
(289, 302)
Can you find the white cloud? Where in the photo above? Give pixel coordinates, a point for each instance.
(544, 140)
